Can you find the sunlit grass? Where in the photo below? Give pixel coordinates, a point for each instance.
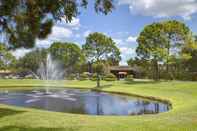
(182, 95)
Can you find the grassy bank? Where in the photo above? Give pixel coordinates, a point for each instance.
(182, 95)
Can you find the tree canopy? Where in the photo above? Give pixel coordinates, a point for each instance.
(32, 60)
(99, 47)
(24, 21)
(69, 54)
(163, 41)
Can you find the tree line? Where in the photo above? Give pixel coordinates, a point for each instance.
(166, 50)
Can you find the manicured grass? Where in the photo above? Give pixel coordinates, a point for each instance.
(182, 95)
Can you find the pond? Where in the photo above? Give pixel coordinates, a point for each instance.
(82, 102)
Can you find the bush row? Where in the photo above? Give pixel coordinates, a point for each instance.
(93, 77)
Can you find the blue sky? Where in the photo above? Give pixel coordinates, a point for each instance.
(123, 24)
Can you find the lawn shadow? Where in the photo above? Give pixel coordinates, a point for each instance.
(17, 128)
(102, 87)
(141, 82)
(7, 112)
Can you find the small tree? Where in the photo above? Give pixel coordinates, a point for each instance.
(98, 68)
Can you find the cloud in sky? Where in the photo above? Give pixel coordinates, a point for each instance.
(162, 8)
(131, 39)
(127, 48)
(86, 33)
(62, 31)
(20, 52)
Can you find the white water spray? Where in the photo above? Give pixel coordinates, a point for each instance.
(50, 70)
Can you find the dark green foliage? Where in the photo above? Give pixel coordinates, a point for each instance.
(143, 65)
(110, 77)
(163, 42)
(71, 77)
(83, 76)
(129, 78)
(99, 47)
(94, 77)
(34, 19)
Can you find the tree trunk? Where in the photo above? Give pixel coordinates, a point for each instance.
(156, 70)
(98, 80)
(167, 62)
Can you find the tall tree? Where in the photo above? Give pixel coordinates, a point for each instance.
(177, 34)
(98, 48)
(69, 54)
(23, 21)
(152, 45)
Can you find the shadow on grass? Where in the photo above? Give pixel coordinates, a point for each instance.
(7, 112)
(101, 87)
(141, 82)
(16, 128)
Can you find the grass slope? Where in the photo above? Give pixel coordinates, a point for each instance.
(183, 116)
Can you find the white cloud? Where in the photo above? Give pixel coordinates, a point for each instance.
(20, 52)
(131, 39)
(59, 33)
(62, 31)
(126, 53)
(126, 50)
(162, 8)
(86, 33)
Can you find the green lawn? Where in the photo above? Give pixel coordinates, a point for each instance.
(182, 95)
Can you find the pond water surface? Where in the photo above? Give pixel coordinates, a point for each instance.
(82, 102)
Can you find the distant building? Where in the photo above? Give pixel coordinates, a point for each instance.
(121, 72)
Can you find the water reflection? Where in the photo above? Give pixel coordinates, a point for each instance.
(83, 102)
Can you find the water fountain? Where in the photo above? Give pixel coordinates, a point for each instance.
(50, 70)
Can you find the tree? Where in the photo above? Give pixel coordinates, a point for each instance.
(98, 48)
(24, 21)
(176, 34)
(98, 67)
(32, 60)
(7, 60)
(152, 45)
(189, 60)
(163, 41)
(69, 54)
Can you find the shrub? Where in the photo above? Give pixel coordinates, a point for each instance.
(83, 77)
(129, 78)
(110, 77)
(94, 77)
(71, 77)
(28, 77)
